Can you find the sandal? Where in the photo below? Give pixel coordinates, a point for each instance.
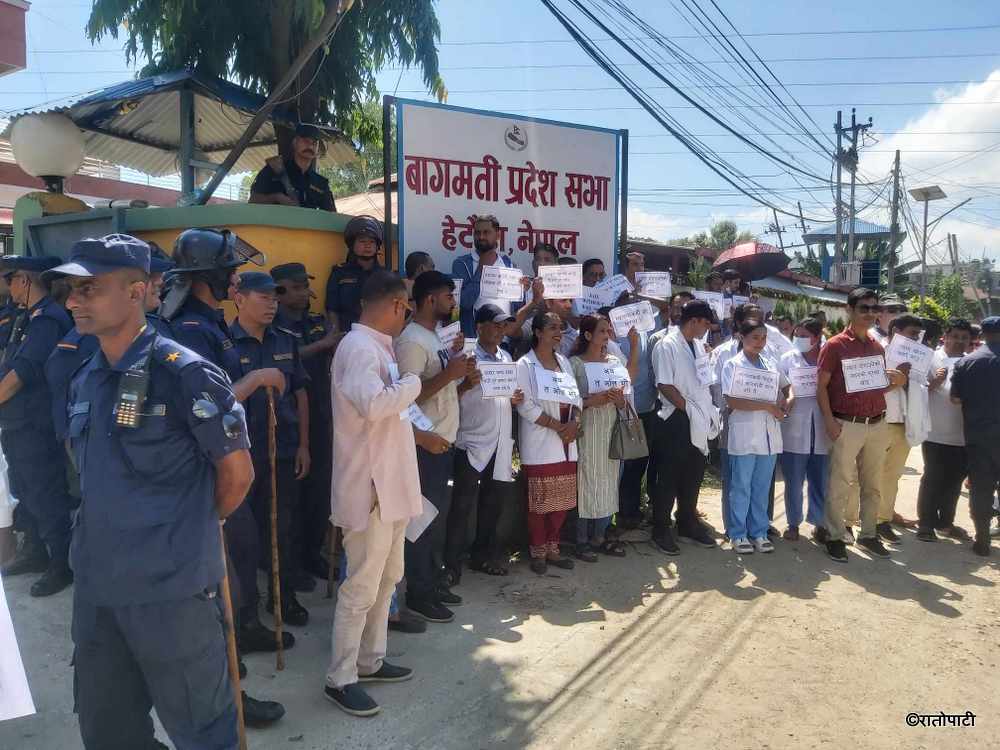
(586, 553)
(539, 566)
(612, 548)
(489, 568)
(561, 562)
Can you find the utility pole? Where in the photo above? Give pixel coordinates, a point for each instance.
(837, 157)
(894, 225)
(777, 228)
(851, 160)
(802, 223)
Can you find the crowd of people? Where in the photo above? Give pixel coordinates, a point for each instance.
(366, 422)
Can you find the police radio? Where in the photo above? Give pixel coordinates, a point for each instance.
(131, 397)
(15, 335)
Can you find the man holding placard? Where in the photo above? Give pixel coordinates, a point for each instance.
(469, 270)
(483, 449)
(851, 387)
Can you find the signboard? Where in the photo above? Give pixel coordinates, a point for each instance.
(717, 300)
(500, 282)
(15, 696)
(449, 333)
(902, 349)
(603, 376)
(499, 379)
(615, 286)
(591, 300)
(562, 282)
(557, 386)
(638, 315)
(655, 284)
(754, 384)
(804, 381)
(544, 181)
(864, 374)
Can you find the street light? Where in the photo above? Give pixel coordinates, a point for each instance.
(926, 195)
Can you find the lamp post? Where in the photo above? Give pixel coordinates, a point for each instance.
(925, 195)
(49, 146)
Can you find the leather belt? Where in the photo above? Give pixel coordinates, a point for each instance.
(860, 420)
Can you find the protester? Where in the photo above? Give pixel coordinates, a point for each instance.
(469, 270)
(363, 237)
(294, 181)
(597, 473)
(785, 325)
(804, 440)
(548, 428)
(483, 453)
(944, 453)
(855, 424)
(376, 490)
(593, 272)
(416, 263)
(687, 421)
(753, 443)
(890, 308)
(974, 385)
(420, 351)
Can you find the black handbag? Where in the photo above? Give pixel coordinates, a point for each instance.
(628, 438)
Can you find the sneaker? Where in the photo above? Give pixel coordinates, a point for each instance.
(981, 547)
(837, 551)
(763, 545)
(406, 624)
(885, 531)
(874, 546)
(261, 713)
(387, 673)
(352, 699)
(927, 535)
(665, 541)
(698, 535)
(791, 534)
(430, 611)
(742, 546)
(448, 598)
(849, 536)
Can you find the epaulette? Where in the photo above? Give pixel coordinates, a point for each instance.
(190, 322)
(36, 313)
(289, 331)
(173, 355)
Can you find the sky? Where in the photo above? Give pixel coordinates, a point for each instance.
(926, 72)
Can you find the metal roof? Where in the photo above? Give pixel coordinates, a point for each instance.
(787, 286)
(864, 230)
(137, 124)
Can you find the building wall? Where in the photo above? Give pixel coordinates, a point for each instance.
(12, 36)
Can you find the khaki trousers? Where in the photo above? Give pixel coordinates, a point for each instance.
(361, 619)
(857, 456)
(897, 451)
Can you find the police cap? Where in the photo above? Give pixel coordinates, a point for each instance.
(93, 257)
(34, 263)
(290, 272)
(305, 130)
(256, 281)
(990, 324)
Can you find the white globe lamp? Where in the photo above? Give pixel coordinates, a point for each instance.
(49, 146)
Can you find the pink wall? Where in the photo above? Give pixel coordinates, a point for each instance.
(12, 37)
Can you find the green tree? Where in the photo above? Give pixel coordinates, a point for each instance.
(948, 292)
(354, 177)
(722, 236)
(254, 42)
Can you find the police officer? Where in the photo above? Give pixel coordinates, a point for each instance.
(161, 446)
(159, 265)
(261, 344)
(294, 182)
(26, 430)
(363, 236)
(317, 341)
(206, 262)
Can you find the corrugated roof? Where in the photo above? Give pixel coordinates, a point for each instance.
(787, 286)
(862, 229)
(136, 124)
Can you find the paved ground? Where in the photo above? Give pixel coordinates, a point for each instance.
(706, 650)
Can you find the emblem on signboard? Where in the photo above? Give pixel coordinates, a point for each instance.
(515, 138)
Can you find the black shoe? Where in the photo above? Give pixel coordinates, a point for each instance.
(303, 582)
(387, 673)
(254, 637)
(849, 536)
(874, 546)
(448, 598)
(627, 523)
(430, 611)
(261, 713)
(698, 535)
(886, 532)
(773, 533)
(821, 535)
(34, 560)
(586, 553)
(837, 551)
(539, 566)
(956, 532)
(561, 562)
(791, 534)
(292, 613)
(927, 535)
(981, 547)
(407, 624)
(56, 577)
(664, 540)
(352, 699)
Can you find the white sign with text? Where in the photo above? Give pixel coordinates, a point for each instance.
(803, 380)
(603, 376)
(655, 284)
(562, 282)
(500, 282)
(902, 350)
(864, 373)
(499, 379)
(615, 286)
(557, 386)
(717, 301)
(417, 417)
(755, 385)
(449, 333)
(591, 300)
(638, 315)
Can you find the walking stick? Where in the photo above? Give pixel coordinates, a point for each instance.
(231, 657)
(331, 548)
(272, 422)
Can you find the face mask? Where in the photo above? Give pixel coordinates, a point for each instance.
(802, 343)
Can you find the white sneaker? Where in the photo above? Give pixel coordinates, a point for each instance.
(763, 545)
(742, 546)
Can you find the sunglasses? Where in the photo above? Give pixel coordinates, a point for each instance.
(867, 308)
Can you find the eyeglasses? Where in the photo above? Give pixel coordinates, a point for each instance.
(894, 309)
(867, 308)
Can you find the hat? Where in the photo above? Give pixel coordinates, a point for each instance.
(93, 257)
(990, 324)
(36, 263)
(891, 299)
(698, 308)
(304, 130)
(492, 314)
(256, 281)
(159, 261)
(291, 272)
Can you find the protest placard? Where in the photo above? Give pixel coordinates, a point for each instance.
(417, 417)
(417, 525)
(706, 373)
(593, 299)
(716, 299)
(603, 376)
(470, 347)
(449, 333)
(499, 379)
(458, 291)
(654, 284)
(562, 282)
(615, 286)
(864, 373)
(753, 384)
(638, 315)
(500, 282)
(557, 386)
(15, 696)
(902, 349)
(803, 380)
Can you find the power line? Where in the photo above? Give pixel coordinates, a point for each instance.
(589, 89)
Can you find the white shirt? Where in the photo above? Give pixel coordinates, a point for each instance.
(752, 432)
(803, 431)
(674, 364)
(947, 426)
(503, 304)
(484, 426)
(421, 352)
(539, 445)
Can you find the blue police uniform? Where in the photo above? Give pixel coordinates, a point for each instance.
(203, 328)
(161, 325)
(74, 349)
(343, 292)
(8, 314)
(26, 430)
(147, 622)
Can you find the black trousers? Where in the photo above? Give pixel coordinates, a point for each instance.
(425, 557)
(475, 491)
(680, 468)
(314, 519)
(630, 483)
(289, 491)
(242, 555)
(984, 479)
(945, 467)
